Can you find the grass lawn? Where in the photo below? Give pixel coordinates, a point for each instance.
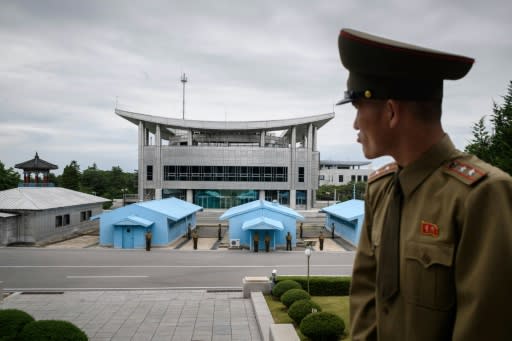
(334, 304)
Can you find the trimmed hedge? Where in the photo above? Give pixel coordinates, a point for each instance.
(321, 285)
(302, 308)
(293, 295)
(283, 286)
(49, 330)
(12, 322)
(322, 326)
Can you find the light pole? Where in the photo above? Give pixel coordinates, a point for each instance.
(183, 80)
(307, 252)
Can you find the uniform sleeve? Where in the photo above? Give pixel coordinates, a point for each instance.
(483, 266)
(362, 292)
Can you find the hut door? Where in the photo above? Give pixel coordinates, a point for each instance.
(127, 238)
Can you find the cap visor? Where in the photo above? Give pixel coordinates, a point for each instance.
(344, 101)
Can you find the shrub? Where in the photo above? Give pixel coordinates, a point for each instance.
(301, 308)
(293, 295)
(283, 286)
(47, 330)
(12, 322)
(322, 326)
(321, 285)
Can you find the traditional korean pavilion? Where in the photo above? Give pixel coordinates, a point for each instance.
(38, 167)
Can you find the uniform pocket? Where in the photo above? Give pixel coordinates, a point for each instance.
(429, 275)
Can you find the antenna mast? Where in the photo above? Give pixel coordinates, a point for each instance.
(183, 80)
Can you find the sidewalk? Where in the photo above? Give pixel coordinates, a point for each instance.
(176, 315)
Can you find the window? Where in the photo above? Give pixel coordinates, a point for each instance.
(225, 173)
(353, 178)
(321, 177)
(301, 174)
(149, 172)
(365, 178)
(66, 219)
(83, 216)
(340, 178)
(58, 221)
(359, 179)
(89, 214)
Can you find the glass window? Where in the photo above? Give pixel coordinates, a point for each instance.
(58, 221)
(340, 178)
(66, 219)
(301, 174)
(149, 172)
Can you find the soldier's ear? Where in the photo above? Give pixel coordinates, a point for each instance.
(392, 112)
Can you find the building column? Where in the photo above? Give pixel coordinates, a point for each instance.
(190, 196)
(262, 138)
(293, 198)
(315, 138)
(292, 170)
(307, 170)
(189, 137)
(157, 171)
(140, 171)
(262, 194)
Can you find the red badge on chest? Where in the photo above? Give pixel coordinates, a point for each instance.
(429, 229)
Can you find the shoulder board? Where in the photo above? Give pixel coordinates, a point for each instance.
(390, 168)
(464, 171)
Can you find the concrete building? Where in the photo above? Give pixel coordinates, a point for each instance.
(262, 218)
(167, 219)
(343, 172)
(39, 214)
(346, 218)
(216, 164)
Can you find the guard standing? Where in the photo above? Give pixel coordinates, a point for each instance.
(189, 230)
(300, 230)
(332, 230)
(256, 239)
(321, 240)
(195, 236)
(288, 242)
(267, 242)
(219, 233)
(148, 240)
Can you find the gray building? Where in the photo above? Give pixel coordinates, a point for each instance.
(343, 172)
(221, 164)
(38, 214)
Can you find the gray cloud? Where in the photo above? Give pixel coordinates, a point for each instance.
(64, 64)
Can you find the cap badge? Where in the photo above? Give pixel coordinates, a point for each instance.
(429, 229)
(367, 94)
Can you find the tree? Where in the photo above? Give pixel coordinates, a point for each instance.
(70, 177)
(9, 178)
(495, 147)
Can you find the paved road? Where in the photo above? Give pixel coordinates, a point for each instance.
(35, 268)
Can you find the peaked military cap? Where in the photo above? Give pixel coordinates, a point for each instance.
(380, 68)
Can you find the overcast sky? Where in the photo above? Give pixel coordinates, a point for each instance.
(64, 64)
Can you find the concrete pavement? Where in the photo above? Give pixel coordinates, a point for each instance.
(175, 315)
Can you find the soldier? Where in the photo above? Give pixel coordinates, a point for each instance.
(148, 235)
(300, 230)
(195, 237)
(189, 230)
(435, 249)
(332, 230)
(256, 240)
(288, 241)
(267, 242)
(321, 241)
(219, 233)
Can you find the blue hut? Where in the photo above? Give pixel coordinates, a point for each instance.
(346, 218)
(167, 219)
(263, 218)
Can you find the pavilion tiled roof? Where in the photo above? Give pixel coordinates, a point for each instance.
(36, 164)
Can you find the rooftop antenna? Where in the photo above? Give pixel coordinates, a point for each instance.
(183, 80)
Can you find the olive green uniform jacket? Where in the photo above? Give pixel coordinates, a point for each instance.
(455, 252)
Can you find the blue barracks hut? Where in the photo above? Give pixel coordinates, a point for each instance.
(346, 218)
(261, 217)
(168, 220)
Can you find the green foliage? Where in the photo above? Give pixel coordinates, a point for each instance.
(9, 178)
(301, 308)
(48, 330)
(283, 286)
(12, 322)
(343, 192)
(321, 285)
(495, 147)
(294, 295)
(322, 326)
(71, 176)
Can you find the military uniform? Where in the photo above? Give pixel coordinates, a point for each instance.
(453, 241)
(455, 252)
